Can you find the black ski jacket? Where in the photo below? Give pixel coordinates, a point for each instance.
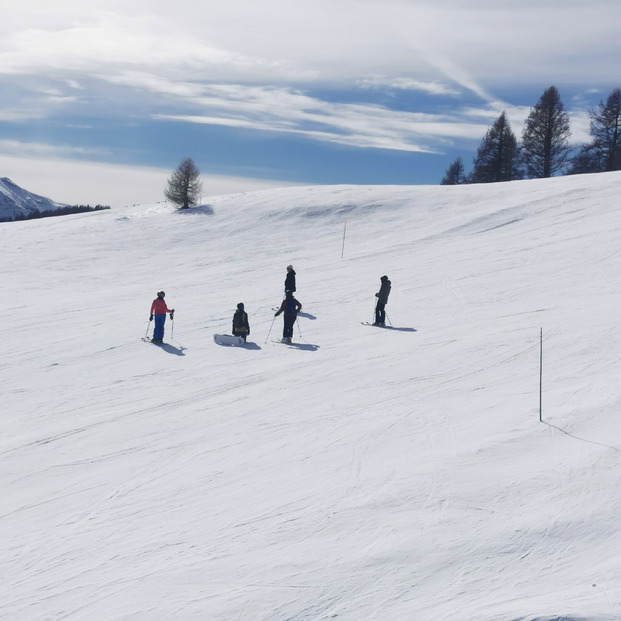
(384, 292)
(290, 306)
(290, 281)
(241, 325)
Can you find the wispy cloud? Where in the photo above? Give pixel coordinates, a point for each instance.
(292, 111)
(18, 148)
(109, 43)
(406, 84)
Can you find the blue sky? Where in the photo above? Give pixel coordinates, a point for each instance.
(101, 99)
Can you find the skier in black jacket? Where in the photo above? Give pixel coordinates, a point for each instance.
(290, 307)
(382, 300)
(241, 325)
(290, 279)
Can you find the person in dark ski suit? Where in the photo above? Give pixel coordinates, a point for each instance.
(382, 300)
(290, 307)
(241, 325)
(290, 279)
(159, 310)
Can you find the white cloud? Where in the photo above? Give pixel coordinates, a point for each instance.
(108, 44)
(17, 148)
(316, 39)
(405, 84)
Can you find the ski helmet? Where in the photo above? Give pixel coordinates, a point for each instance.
(240, 306)
(161, 293)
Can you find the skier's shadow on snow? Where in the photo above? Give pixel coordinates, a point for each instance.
(389, 327)
(303, 346)
(399, 329)
(171, 349)
(306, 315)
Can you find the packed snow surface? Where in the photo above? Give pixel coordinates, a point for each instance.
(360, 473)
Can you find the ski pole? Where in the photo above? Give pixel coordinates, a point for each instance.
(172, 325)
(270, 330)
(298, 325)
(388, 318)
(146, 334)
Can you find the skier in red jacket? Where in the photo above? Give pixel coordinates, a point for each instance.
(159, 310)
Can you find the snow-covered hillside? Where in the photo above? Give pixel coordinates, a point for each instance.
(15, 202)
(362, 473)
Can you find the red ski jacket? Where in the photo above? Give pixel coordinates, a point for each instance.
(159, 307)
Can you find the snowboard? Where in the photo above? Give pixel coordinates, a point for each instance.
(228, 339)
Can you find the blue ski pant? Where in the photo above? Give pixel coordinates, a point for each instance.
(158, 330)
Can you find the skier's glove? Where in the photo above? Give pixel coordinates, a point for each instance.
(172, 313)
(150, 317)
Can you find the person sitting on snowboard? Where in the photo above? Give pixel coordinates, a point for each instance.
(241, 326)
(290, 307)
(159, 310)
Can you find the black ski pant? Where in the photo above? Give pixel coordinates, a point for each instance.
(289, 320)
(380, 313)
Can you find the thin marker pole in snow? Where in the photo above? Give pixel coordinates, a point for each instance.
(343, 246)
(541, 374)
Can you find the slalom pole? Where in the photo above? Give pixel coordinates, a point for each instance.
(540, 373)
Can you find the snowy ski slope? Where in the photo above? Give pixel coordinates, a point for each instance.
(359, 474)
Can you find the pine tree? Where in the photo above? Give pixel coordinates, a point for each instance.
(455, 174)
(606, 131)
(585, 161)
(184, 185)
(545, 145)
(603, 153)
(497, 157)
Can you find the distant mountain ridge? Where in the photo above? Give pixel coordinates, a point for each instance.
(17, 203)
